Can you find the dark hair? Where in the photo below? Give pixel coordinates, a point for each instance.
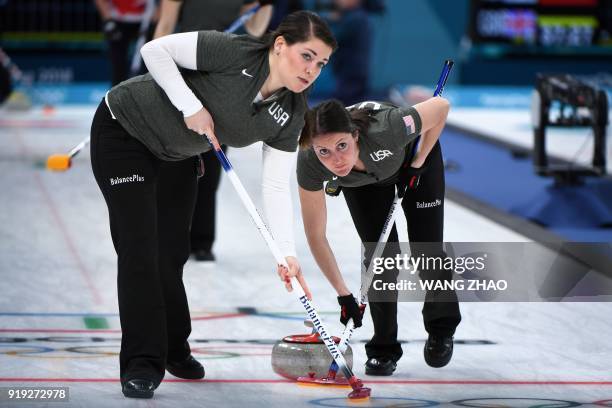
(301, 26)
(332, 117)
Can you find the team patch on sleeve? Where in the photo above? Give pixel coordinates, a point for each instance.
(409, 122)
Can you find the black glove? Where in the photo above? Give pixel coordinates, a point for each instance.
(111, 31)
(409, 177)
(349, 309)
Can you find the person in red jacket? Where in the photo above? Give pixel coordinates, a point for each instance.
(122, 23)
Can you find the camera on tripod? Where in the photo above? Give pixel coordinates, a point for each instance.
(563, 100)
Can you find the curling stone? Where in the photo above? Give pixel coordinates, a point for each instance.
(301, 355)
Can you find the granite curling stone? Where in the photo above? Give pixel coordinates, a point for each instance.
(301, 355)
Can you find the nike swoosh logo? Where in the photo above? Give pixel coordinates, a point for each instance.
(334, 177)
(245, 73)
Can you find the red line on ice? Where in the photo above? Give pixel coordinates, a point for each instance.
(36, 124)
(279, 381)
(69, 242)
(64, 231)
(60, 331)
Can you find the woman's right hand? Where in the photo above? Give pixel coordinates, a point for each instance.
(294, 271)
(202, 123)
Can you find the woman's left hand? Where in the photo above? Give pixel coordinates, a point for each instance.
(294, 271)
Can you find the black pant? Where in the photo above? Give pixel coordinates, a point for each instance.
(6, 83)
(369, 207)
(119, 47)
(150, 203)
(204, 216)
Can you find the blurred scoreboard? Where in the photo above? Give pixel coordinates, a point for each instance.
(560, 25)
(49, 24)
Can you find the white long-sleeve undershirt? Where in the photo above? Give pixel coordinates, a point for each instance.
(163, 56)
(278, 207)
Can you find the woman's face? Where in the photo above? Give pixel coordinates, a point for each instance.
(338, 152)
(301, 63)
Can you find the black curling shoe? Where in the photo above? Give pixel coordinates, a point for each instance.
(380, 366)
(438, 351)
(203, 255)
(188, 369)
(138, 388)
